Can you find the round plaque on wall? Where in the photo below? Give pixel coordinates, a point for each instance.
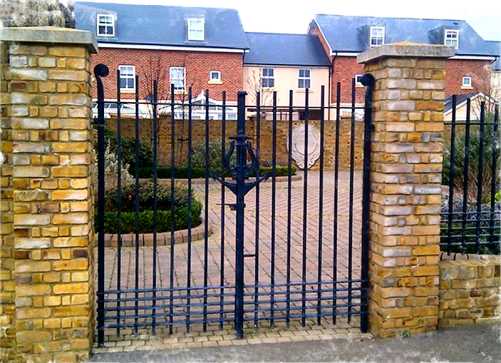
(298, 149)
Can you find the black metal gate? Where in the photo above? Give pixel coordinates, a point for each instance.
(296, 248)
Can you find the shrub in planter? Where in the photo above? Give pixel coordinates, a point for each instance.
(125, 201)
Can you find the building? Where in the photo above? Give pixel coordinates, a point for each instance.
(284, 62)
(202, 48)
(344, 37)
(496, 72)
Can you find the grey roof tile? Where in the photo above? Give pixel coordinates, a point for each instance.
(164, 25)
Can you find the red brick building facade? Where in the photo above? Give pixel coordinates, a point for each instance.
(155, 64)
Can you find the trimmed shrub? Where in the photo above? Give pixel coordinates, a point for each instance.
(144, 219)
(164, 172)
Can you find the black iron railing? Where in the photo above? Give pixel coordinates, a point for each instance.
(297, 255)
(471, 209)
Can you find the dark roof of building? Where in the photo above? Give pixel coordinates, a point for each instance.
(164, 25)
(351, 33)
(496, 46)
(285, 49)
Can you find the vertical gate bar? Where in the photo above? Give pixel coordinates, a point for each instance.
(136, 207)
(155, 204)
(223, 198)
(451, 174)
(368, 81)
(206, 210)
(350, 198)
(190, 202)
(119, 201)
(289, 206)
(480, 175)
(273, 203)
(305, 208)
(493, 170)
(466, 167)
(336, 198)
(320, 206)
(239, 206)
(100, 71)
(172, 210)
(258, 188)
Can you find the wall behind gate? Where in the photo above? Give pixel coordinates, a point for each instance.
(198, 138)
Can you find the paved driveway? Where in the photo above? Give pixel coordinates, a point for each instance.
(221, 253)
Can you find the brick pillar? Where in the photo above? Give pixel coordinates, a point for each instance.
(49, 164)
(406, 171)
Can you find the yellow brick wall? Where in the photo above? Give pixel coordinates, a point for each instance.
(470, 290)
(405, 200)
(49, 112)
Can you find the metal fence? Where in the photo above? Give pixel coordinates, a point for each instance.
(472, 205)
(296, 249)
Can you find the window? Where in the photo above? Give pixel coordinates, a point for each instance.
(358, 80)
(196, 29)
(304, 78)
(215, 76)
(176, 75)
(466, 82)
(105, 25)
(376, 38)
(127, 77)
(267, 78)
(451, 38)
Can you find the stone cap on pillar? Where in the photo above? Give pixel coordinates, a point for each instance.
(49, 35)
(406, 49)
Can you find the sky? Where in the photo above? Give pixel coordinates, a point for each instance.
(293, 16)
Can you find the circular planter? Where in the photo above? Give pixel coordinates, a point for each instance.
(163, 238)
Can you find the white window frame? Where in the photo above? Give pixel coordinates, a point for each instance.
(177, 89)
(127, 75)
(372, 35)
(448, 32)
(217, 79)
(357, 82)
(99, 23)
(306, 79)
(268, 77)
(469, 85)
(196, 29)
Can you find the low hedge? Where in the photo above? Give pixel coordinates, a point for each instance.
(164, 172)
(120, 213)
(144, 219)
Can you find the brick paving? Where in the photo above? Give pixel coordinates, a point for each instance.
(216, 245)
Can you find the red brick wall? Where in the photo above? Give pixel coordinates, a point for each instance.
(478, 70)
(150, 63)
(343, 70)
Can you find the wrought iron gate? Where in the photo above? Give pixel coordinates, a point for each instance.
(296, 248)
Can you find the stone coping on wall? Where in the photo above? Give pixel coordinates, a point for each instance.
(49, 35)
(405, 49)
(470, 287)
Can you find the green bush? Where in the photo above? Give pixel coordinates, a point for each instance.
(474, 166)
(125, 202)
(164, 172)
(145, 155)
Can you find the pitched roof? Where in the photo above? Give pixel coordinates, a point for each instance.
(163, 25)
(460, 99)
(351, 33)
(285, 49)
(496, 46)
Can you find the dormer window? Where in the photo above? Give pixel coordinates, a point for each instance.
(105, 25)
(196, 29)
(376, 38)
(451, 38)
